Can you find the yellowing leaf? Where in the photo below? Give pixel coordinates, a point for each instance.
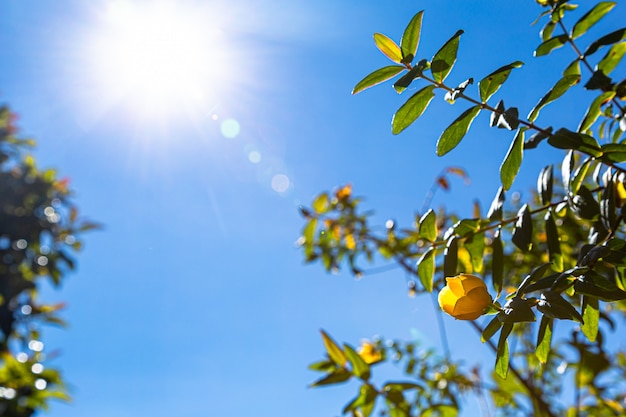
(388, 47)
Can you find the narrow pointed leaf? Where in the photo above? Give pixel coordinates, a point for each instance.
(609, 39)
(388, 47)
(497, 262)
(360, 368)
(491, 329)
(489, 85)
(411, 36)
(451, 257)
(566, 169)
(377, 77)
(454, 133)
(334, 351)
(544, 339)
(428, 226)
(573, 68)
(594, 111)
(513, 160)
(579, 175)
(426, 269)
(495, 211)
(502, 353)
(523, 232)
(591, 317)
(555, 92)
(337, 377)
(545, 184)
(475, 245)
(554, 245)
(550, 45)
(612, 58)
(591, 18)
(412, 109)
(444, 59)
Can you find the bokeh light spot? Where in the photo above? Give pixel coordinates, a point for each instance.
(254, 157)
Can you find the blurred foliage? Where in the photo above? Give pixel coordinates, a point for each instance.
(39, 233)
(560, 256)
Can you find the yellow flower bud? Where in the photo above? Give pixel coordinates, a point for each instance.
(370, 353)
(464, 297)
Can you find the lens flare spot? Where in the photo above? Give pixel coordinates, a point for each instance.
(280, 183)
(230, 128)
(254, 157)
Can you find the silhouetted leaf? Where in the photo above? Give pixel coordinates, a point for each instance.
(377, 77)
(555, 92)
(553, 305)
(598, 81)
(454, 133)
(523, 232)
(535, 139)
(554, 245)
(444, 59)
(451, 257)
(609, 39)
(544, 184)
(406, 80)
(412, 109)
(491, 329)
(495, 211)
(489, 85)
(591, 18)
(584, 205)
(594, 284)
(388, 47)
(513, 160)
(497, 261)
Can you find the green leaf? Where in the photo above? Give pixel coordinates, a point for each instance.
(441, 410)
(475, 245)
(337, 377)
(323, 366)
(451, 257)
(334, 351)
(555, 92)
(364, 401)
(566, 139)
(544, 339)
(609, 39)
(594, 111)
(548, 29)
(426, 269)
(406, 80)
(360, 368)
(444, 59)
(573, 68)
(614, 152)
(428, 226)
(466, 227)
(523, 232)
(489, 85)
(579, 176)
(554, 245)
(591, 317)
(584, 205)
(411, 36)
(591, 18)
(491, 329)
(513, 160)
(502, 353)
(596, 285)
(321, 203)
(454, 133)
(377, 77)
(497, 261)
(612, 58)
(388, 47)
(412, 109)
(550, 45)
(516, 310)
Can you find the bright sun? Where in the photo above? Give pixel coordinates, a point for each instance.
(158, 56)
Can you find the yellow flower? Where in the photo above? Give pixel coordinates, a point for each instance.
(369, 352)
(464, 297)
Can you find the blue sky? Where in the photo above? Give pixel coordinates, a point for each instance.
(193, 299)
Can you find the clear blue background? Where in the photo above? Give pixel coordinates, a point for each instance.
(193, 300)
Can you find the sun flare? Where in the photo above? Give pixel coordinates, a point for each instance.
(158, 56)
